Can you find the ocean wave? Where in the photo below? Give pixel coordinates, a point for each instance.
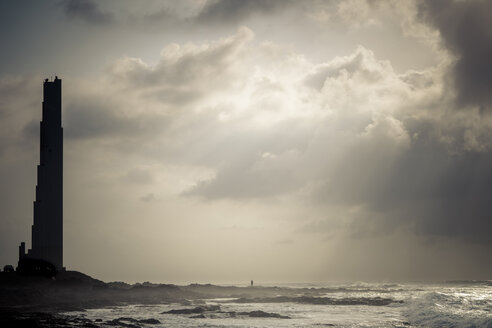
(456, 310)
(469, 282)
(374, 301)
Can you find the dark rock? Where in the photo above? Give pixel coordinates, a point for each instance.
(34, 320)
(198, 316)
(127, 319)
(195, 310)
(123, 322)
(89, 325)
(150, 321)
(79, 319)
(263, 314)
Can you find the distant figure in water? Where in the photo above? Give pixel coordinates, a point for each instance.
(251, 283)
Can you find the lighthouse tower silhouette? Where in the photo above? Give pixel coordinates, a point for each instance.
(47, 229)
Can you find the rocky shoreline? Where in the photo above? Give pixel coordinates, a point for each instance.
(31, 301)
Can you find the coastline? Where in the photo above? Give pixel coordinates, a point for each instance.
(74, 299)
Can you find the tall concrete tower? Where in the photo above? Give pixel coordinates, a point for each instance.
(47, 230)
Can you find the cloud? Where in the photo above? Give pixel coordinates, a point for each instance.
(288, 153)
(464, 27)
(234, 11)
(367, 138)
(148, 198)
(177, 16)
(423, 187)
(237, 131)
(96, 116)
(183, 73)
(18, 125)
(86, 10)
(355, 12)
(88, 119)
(261, 178)
(139, 176)
(382, 148)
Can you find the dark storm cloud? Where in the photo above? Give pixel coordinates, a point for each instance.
(31, 131)
(226, 11)
(213, 12)
(427, 188)
(86, 10)
(92, 120)
(19, 127)
(163, 15)
(447, 195)
(466, 30)
(95, 120)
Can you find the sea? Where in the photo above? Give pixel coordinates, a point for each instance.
(450, 304)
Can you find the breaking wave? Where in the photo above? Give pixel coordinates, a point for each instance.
(457, 310)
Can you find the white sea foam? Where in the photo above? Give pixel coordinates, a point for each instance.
(451, 307)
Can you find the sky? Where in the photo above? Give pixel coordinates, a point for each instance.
(281, 141)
